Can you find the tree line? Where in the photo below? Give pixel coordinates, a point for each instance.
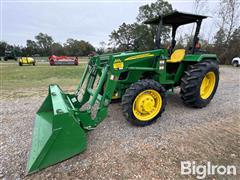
(44, 45)
(139, 36)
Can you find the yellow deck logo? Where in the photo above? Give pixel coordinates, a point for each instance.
(118, 64)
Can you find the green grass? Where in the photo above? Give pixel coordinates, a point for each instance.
(14, 77)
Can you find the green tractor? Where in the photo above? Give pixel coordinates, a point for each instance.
(10, 54)
(142, 81)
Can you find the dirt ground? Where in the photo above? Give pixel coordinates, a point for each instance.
(117, 150)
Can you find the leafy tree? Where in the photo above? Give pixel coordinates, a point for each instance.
(18, 50)
(85, 47)
(234, 44)
(57, 49)
(102, 47)
(32, 47)
(220, 37)
(227, 49)
(138, 36)
(123, 37)
(44, 42)
(153, 10)
(132, 37)
(71, 47)
(219, 45)
(3, 46)
(229, 13)
(77, 48)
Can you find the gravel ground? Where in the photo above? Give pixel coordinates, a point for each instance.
(117, 150)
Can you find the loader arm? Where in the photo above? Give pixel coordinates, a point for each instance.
(63, 119)
(95, 98)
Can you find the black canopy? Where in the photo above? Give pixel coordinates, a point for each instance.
(176, 18)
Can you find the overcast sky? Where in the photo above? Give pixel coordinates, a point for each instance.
(92, 21)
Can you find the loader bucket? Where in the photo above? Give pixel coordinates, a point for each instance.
(57, 133)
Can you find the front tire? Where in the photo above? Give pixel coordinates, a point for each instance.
(144, 102)
(199, 84)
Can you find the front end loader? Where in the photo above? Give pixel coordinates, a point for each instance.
(141, 80)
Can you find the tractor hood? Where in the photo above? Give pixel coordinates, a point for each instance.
(127, 56)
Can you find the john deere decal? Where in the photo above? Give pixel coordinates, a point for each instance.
(139, 56)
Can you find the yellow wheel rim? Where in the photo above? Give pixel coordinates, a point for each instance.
(147, 105)
(208, 84)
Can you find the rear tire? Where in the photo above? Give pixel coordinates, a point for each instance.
(20, 64)
(206, 73)
(131, 97)
(235, 64)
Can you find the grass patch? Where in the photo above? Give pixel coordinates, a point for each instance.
(14, 77)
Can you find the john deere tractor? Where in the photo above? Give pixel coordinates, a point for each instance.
(10, 54)
(140, 79)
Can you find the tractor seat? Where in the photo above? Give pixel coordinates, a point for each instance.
(177, 56)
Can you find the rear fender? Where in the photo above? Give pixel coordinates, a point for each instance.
(200, 57)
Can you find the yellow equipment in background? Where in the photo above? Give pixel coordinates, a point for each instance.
(26, 60)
